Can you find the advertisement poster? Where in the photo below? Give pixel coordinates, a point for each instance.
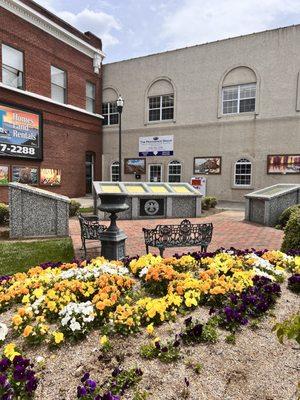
(27, 175)
(284, 164)
(4, 175)
(156, 146)
(20, 133)
(207, 165)
(199, 183)
(50, 177)
(135, 165)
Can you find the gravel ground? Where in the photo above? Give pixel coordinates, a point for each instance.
(257, 367)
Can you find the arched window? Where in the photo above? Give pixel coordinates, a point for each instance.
(239, 91)
(243, 172)
(160, 99)
(114, 171)
(109, 107)
(174, 172)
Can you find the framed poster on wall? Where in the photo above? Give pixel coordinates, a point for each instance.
(284, 164)
(26, 175)
(50, 177)
(4, 175)
(21, 133)
(135, 165)
(207, 165)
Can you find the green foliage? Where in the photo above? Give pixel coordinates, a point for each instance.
(285, 216)
(290, 329)
(4, 213)
(231, 338)
(209, 202)
(124, 379)
(291, 239)
(74, 207)
(164, 352)
(19, 256)
(198, 368)
(210, 333)
(140, 395)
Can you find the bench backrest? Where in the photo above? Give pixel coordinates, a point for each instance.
(90, 227)
(183, 234)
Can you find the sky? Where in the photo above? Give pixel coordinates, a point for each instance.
(133, 28)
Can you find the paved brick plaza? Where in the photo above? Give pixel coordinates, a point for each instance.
(229, 230)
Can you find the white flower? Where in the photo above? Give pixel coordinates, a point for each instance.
(143, 272)
(3, 331)
(75, 326)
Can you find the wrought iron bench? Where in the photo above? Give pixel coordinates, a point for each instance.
(90, 229)
(185, 234)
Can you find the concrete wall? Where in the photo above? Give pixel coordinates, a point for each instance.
(199, 128)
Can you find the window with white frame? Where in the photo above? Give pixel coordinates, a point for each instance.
(243, 172)
(174, 174)
(110, 113)
(161, 108)
(58, 84)
(90, 96)
(239, 99)
(115, 170)
(12, 67)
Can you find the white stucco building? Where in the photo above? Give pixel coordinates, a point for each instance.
(233, 102)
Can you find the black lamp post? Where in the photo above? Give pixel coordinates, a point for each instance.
(120, 105)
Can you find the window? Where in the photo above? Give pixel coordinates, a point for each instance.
(243, 171)
(115, 171)
(239, 99)
(174, 171)
(58, 84)
(12, 67)
(110, 113)
(155, 172)
(161, 108)
(90, 96)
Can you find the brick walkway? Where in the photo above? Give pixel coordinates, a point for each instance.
(229, 230)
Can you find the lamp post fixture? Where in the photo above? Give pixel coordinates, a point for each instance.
(120, 105)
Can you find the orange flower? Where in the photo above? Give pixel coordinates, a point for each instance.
(27, 331)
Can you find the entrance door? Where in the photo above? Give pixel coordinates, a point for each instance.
(89, 172)
(155, 172)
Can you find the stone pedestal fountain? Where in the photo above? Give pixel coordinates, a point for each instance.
(113, 239)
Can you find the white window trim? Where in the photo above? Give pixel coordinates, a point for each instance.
(90, 98)
(109, 114)
(235, 174)
(49, 100)
(114, 164)
(172, 163)
(238, 99)
(161, 108)
(161, 171)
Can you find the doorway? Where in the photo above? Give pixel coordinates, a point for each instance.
(155, 173)
(89, 171)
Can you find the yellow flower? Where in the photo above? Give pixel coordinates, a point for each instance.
(104, 340)
(26, 299)
(150, 329)
(10, 351)
(58, 337)
(38, 292)
(27, 331)
(17, 320)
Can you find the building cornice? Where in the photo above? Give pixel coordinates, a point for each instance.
(37, 19)
(49, 100)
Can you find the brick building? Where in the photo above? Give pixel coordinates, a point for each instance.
(50, 101)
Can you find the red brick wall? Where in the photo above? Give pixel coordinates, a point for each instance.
(68, 134)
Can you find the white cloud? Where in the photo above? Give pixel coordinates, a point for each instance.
(200, 21)
(97, 22)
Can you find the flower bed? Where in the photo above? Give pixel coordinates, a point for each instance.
(59, 303)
